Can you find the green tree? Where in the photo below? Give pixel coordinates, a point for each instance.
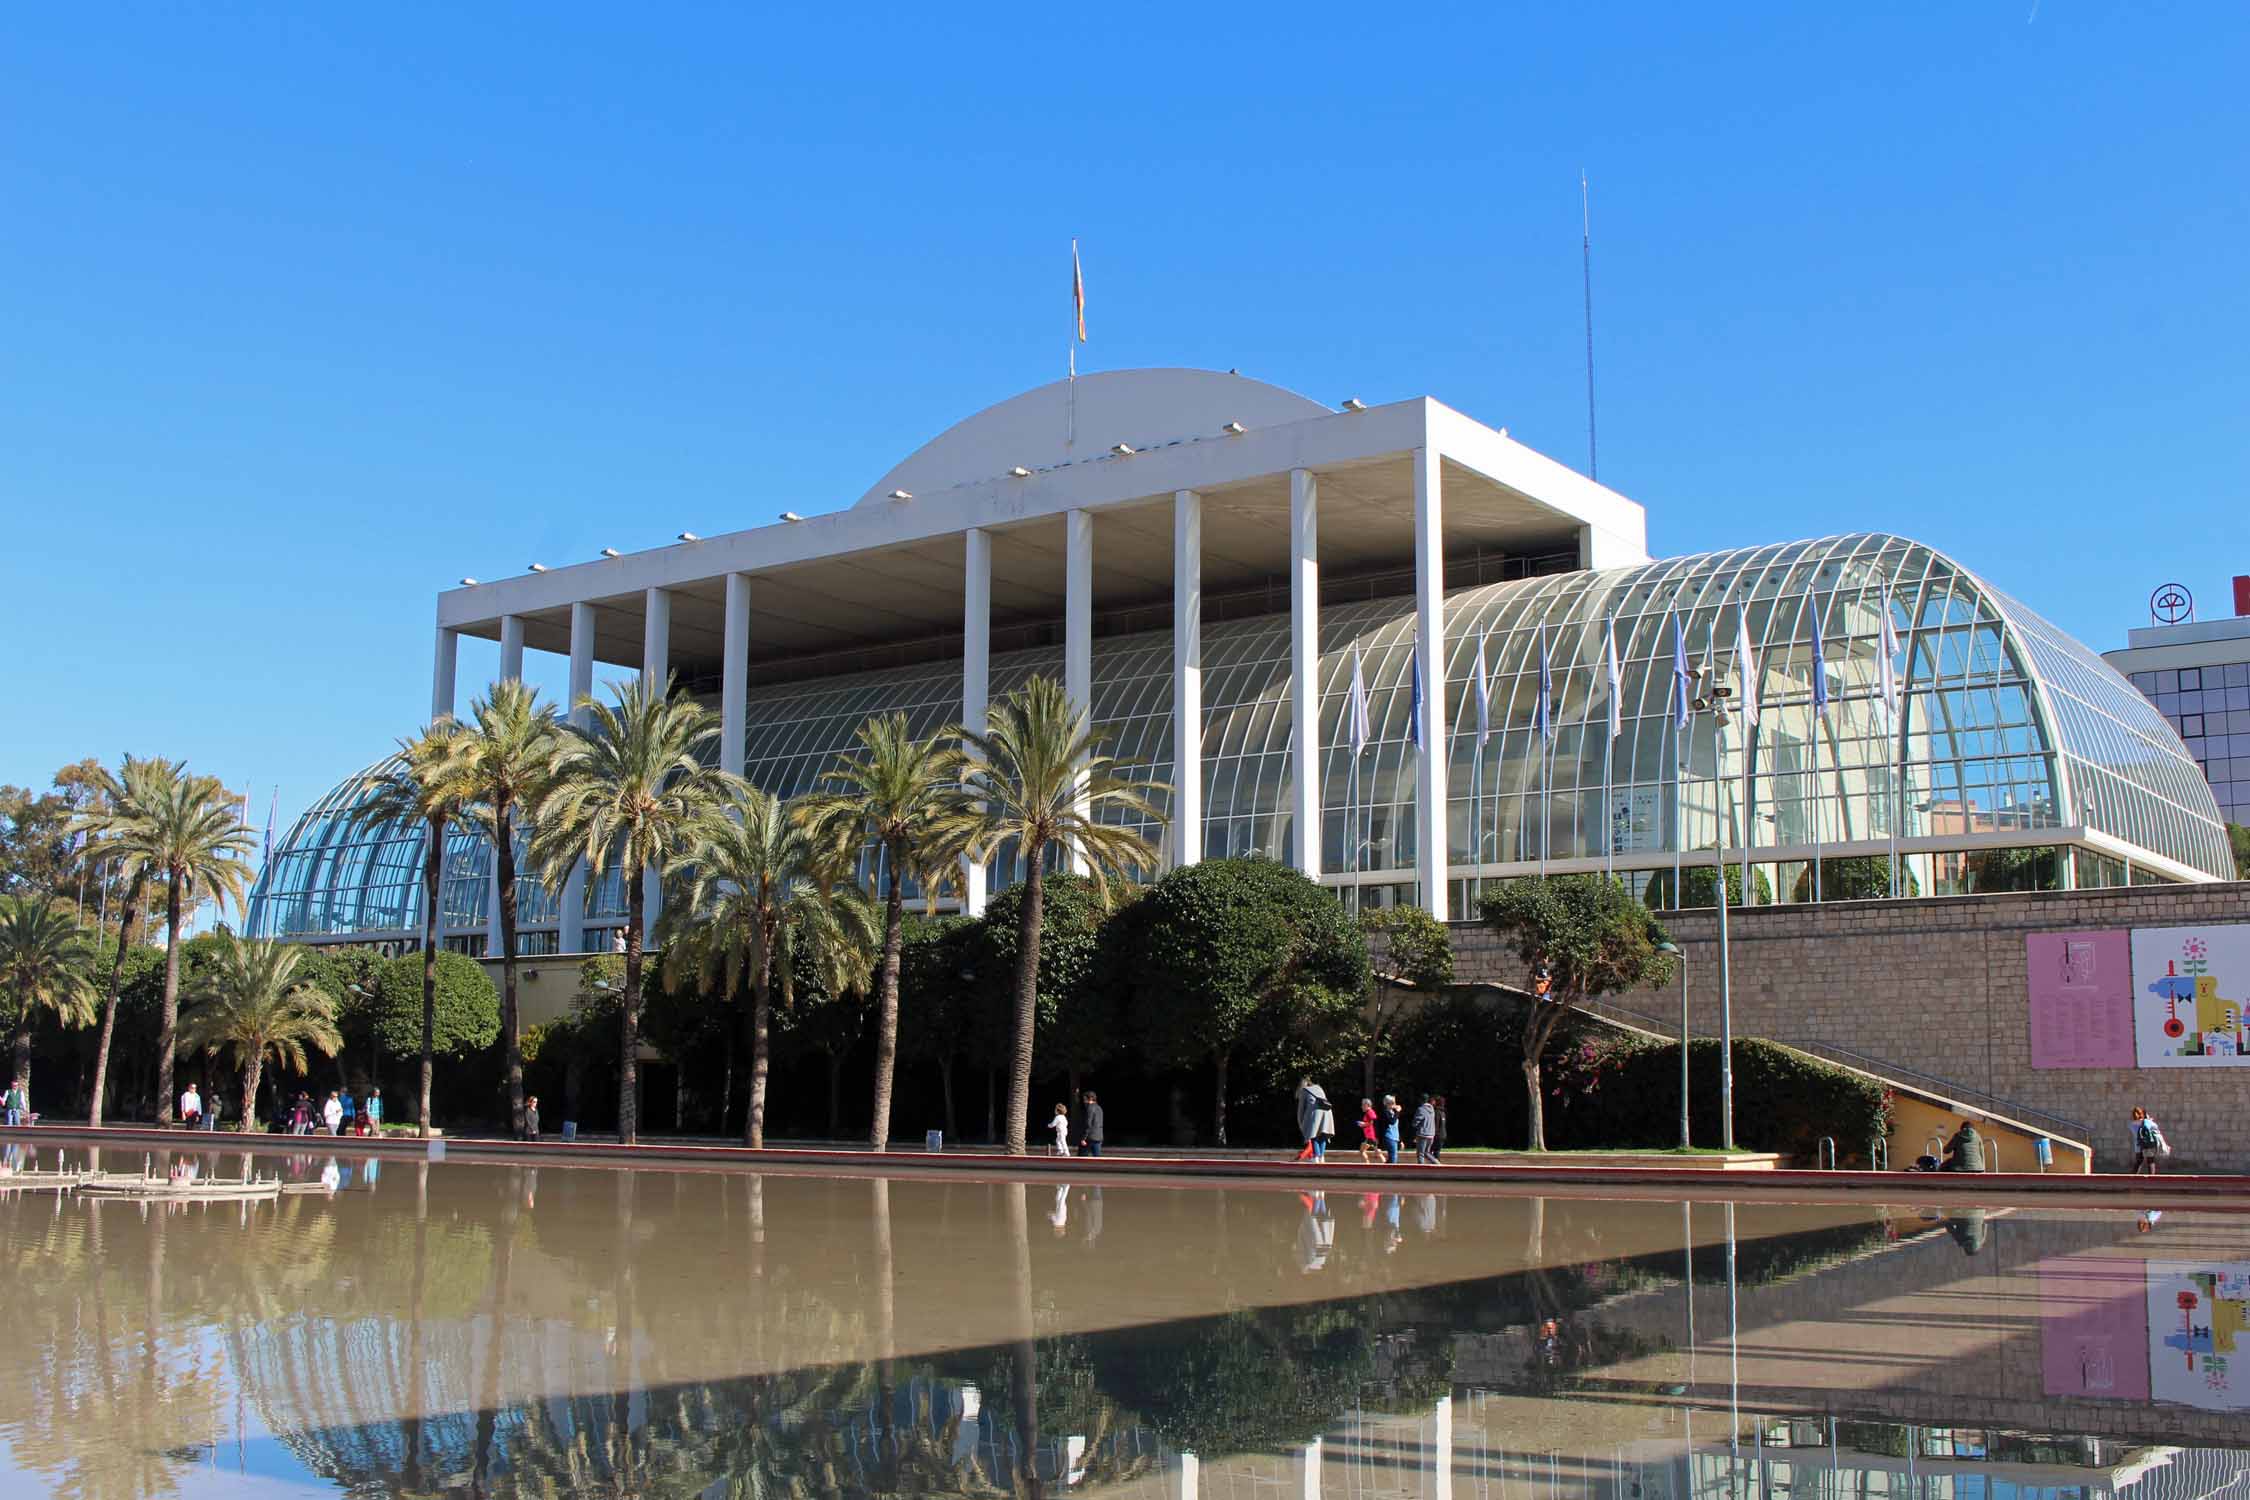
(426, 782)
(253, 1003)
(758, 880)
(1077, 1025)
(1593, 938)
(1042, 779)
(509, 748)
(46, 963)
(631, 788)
(1409, 953)
(196, 848)
(1231, 951)
(2238, 837)
(828, 1014)
(2019, 869)
(944, 976)
(1856, 877)
(123, 827)
(447, 1008)
(903, 795)
(1697, 885)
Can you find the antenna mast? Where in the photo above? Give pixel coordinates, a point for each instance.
(1586, 267)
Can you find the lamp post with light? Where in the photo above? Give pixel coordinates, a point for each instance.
(1712, 698)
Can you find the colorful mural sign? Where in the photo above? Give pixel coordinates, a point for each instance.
(2190, 985)
(2081, 999)
(2197, 1316)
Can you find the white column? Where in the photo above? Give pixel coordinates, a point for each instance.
(1441, 1449)
(1191, 1475)
(511, 648)
(1307, 1465)
(656, 666)
(1432, 863)
(441, 676)
(734, 676)
(1078, 620)
(572, 935)
(1187, 678)
(1304, 667)
(976, 672)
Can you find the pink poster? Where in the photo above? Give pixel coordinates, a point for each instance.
(2093, 1327)
(2081, 999)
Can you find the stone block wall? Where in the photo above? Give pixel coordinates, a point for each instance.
(1938, 985)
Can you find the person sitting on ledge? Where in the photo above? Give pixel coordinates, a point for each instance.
(1965, 1152)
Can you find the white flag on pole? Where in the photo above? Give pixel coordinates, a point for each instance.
(1613, 680)
(1745, 666)
(1483, 689)
(1886, 660)
(1356, 710)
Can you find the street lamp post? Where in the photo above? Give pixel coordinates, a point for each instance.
(1712, 699)
(1672, 948)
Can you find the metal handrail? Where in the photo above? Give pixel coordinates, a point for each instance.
(1879, 1153)
(2077, 1131)
(1824, 1154)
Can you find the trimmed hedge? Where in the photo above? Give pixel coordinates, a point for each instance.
(1625, 1092)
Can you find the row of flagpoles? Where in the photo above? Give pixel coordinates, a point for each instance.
(77, 849)
(1682, 705)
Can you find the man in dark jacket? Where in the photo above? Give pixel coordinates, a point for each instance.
(1965, 1152)
(1090, 1142)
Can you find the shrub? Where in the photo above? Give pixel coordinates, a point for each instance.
(467, 1010)
(1624, 1091)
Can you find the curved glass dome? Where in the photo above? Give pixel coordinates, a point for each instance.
(2009, 733)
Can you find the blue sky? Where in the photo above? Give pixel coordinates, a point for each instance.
(302, 316)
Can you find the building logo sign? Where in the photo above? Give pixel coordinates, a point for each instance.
(2171, 604)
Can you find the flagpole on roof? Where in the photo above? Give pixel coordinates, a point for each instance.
(1078, 336)
(1819, 714)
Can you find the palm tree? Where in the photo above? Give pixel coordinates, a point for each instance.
(45, 959)
(120, 826)
(250, 1002)
(427, 782)
(1044, 781)
(905, 795)
(196, 847)
(510, 752)
(758, 878)
(628, 789)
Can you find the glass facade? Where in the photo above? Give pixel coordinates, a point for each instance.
(2209, 708)
(2006, 728)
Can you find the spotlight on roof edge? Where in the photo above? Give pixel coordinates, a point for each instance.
(1122, 450)
(468, 583)
(610, 552)
(1019, 472)
(538, 567)
(1353, 403)
(1232, 429)
(689, 536)
(790, 515)
(902, 494)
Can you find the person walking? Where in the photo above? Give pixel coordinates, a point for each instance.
(1369, 1142)
(1391, 1114)
(18, 1103)
(531, 1118)
(1437, 1147)
(350, 1108)
(1425, 1133)
(332, 1114)
(1060, 1125)
(2148, 1143)
(1316, 1120)
(1090, 1133)
(374, 1111)
(191, 1107)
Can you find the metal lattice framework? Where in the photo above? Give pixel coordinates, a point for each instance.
(2009, 733)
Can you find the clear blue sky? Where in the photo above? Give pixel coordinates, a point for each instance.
(302, 318)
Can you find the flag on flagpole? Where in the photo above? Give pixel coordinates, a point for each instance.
(1613, 679)
(1546, 709)
(1683, 681)
(1414, 704)
(1746, 665)
(242, 813)
(1078, 290)
(1483, 686)
(1819, 660)
(1356, 726)
(267, 853)
(1886, 660)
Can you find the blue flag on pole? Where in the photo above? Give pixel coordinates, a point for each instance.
(1414, 704)
(1819, 659)
(1683, 681)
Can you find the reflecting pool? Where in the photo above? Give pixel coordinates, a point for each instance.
(407, 1328)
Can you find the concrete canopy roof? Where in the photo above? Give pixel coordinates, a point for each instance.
(887, 572)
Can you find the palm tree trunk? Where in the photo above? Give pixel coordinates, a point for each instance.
(109, 1006)
(1219, 1105)
(886, 1006)
(511, 1022)
(22, 1073)
(761, 990)
(433, 873)
(1027, 998)
(629, 1015)
(168, 1021)
(250, 1074)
